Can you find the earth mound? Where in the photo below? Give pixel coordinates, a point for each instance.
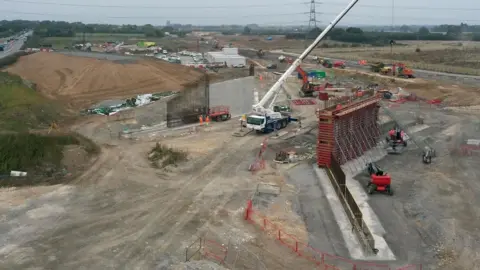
(82, 81)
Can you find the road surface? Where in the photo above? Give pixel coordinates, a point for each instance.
(15, 45)
(424, 74)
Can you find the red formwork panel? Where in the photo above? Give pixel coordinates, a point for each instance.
(350, 132)
(325, 140)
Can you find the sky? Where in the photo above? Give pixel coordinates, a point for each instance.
(263, 12)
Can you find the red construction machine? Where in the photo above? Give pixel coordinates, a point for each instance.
(379, 180)
(310, 89)
(219, 113)
(396, 137)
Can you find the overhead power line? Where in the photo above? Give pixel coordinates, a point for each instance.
(363, 16)
(159, 17)
(401, 7)
(325, 3)
(148, 7)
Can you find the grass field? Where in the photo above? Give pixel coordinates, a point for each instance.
(25, 118)
(22, 108)
(443, 56)
(448, 57)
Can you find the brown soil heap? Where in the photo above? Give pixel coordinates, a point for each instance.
(81, 81)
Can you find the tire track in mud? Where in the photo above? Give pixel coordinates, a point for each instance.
(78, 78)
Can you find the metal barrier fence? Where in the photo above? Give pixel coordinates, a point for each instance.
(352, 210)
(231, 256)
(206, 248)
(193, 250)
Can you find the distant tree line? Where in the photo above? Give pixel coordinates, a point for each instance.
(351, 34)
(66, 29)
(357, 35)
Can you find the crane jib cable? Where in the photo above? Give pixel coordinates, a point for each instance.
(276, 87)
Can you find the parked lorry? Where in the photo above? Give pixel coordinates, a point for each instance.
(219, 113)
(267, 123)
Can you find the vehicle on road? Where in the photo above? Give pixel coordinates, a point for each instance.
(272, 66)
(238, 66)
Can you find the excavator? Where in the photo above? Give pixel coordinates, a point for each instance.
(310, 89)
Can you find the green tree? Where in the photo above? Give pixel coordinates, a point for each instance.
(423, 31)
(354, 30)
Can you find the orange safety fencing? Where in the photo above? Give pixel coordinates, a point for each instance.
(214, 250)
(323, 260)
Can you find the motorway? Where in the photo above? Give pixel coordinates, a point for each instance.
(15, 45)
(424, 74)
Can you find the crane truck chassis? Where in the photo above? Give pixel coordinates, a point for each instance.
(267, 124)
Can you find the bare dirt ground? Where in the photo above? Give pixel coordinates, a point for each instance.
(452, 94)
(85, 81)
(123, 214)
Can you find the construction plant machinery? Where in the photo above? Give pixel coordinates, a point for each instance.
(327, 63)
(310, 89)
(260, 53)
(264, 118)
(397, 69)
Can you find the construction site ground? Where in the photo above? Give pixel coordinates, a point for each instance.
(430, 218)
(123, 213)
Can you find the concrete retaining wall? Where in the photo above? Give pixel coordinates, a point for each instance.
(237, 93)
(121, 116)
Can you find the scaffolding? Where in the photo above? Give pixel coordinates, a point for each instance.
(349, 132)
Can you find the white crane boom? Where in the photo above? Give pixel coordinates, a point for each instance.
(260, 106)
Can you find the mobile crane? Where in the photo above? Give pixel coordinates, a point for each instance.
(265, 119)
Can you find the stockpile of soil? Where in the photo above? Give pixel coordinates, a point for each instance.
(81, 81)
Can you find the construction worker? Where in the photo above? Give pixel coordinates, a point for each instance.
(399, 134)
(200, 120)
(207, 120)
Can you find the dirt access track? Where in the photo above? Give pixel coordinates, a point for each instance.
(82, 81)
(123, 213)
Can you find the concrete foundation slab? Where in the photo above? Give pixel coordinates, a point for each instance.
(351, 169)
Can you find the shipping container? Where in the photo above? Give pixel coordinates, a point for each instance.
(230, 60)
(230, 51)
